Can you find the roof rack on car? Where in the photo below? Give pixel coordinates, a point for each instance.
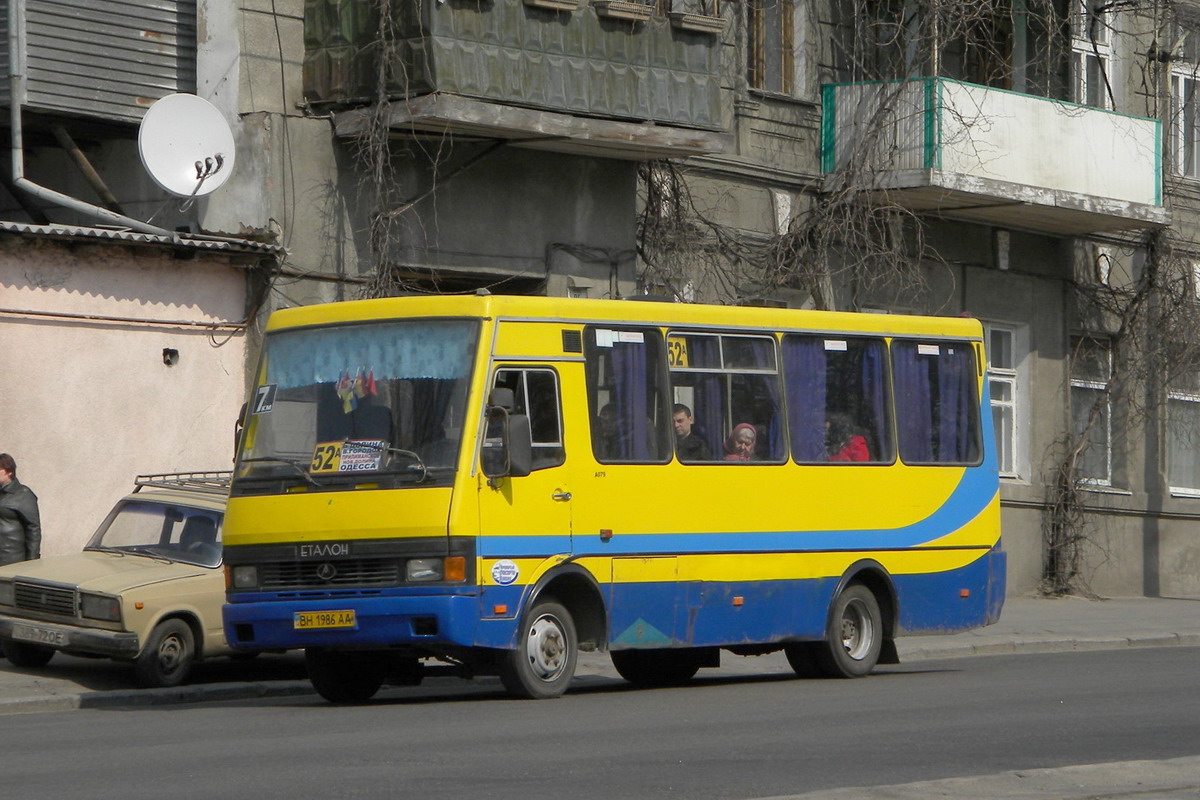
(214, 481)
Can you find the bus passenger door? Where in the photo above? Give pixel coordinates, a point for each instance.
(530, 516)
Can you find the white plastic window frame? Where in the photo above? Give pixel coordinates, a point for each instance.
(1091, 43)
(1091, 385)
(1185, 119)
(1009, 376)
(1172, 486)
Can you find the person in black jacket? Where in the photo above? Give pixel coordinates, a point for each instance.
(688, 446)
(20, 523)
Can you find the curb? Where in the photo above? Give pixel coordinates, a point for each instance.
(127, 698)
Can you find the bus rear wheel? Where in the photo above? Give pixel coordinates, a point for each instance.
(855, 636)
(345, 677)
(656, 667)
(547, 648)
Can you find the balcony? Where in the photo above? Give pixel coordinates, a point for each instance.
(995, 157)
(546, 75)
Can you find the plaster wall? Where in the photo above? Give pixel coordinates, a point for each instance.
(95, 404)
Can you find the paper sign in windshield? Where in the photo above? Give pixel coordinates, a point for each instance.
(355, 455)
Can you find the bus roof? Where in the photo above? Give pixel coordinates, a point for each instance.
(573, 310)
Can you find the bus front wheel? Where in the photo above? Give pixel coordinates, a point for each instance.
(345, 677)
(547, 648)
(855, 636)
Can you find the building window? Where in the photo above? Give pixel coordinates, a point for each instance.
(772, 45)
(1183, 436)
(1091, 367)
(1185, 121)
(1091, 53)
(1003, 386)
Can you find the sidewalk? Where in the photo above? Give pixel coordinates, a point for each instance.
(1028, 625)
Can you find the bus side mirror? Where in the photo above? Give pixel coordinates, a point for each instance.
(507, 441)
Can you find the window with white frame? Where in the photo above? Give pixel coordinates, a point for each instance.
(1185, 117)
(1002, 387)
(1091, 409)
(1091, 52)
(1183, 439)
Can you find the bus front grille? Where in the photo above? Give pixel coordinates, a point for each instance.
(347, 572)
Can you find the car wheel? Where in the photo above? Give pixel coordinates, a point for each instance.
(167, 658)
(547, 648)
(30, 656)
(346, 677)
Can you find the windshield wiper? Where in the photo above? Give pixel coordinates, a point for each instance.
(149, 551)
(99, 548)
(300, 467)
(417, 467)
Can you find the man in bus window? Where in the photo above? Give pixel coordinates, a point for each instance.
(688, 446)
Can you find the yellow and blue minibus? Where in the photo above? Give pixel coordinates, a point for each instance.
(492, 484)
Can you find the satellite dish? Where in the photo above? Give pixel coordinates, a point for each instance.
(186, 145)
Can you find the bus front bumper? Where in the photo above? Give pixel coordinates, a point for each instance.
(431, 621)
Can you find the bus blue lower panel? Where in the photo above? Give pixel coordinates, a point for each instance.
(388, 620)
(706, 614)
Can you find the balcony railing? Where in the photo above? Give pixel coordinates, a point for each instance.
(995, 157)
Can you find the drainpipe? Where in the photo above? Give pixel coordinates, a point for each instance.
(16, 65)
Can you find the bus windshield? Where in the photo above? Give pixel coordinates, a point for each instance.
(381, 398)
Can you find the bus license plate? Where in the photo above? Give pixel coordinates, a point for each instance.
(321, 620)
(35, 633)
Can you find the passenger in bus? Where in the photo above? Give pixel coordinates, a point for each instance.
(842, 443)
(740, 444)
(608, 438)
(688, 444)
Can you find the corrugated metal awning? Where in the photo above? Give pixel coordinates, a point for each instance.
(181, 241)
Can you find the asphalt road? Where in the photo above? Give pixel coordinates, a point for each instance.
(731, 737)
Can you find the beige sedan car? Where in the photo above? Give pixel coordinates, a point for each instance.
(147, 588)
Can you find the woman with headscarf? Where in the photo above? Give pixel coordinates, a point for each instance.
(740, 444)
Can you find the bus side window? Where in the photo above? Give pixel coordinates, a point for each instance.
(838, 408)
(535, 393)
(628, 395)
(937, 405)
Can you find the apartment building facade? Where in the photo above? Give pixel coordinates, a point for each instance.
(1020, 152)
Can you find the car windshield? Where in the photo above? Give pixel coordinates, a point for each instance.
(161, 530)
(338, 402)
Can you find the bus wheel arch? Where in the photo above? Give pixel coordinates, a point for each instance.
(578, 592)
(563, 615)
(860, 628)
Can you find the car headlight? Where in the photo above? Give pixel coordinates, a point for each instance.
(245, 576)
(100, 606)
(7, 594)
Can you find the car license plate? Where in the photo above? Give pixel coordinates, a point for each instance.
(321, 620)
(36, 633)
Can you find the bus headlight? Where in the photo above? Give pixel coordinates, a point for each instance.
(424, 569)
(245, 576)
(100, 606)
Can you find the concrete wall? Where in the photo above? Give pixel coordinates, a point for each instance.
(86, 404)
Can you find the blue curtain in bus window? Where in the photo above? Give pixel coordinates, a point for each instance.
(709, 413)
(805, 379)
(875, 397)
(763, 351)
(955, 375)
(935, 409)
(630, 398)
(912, 372)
